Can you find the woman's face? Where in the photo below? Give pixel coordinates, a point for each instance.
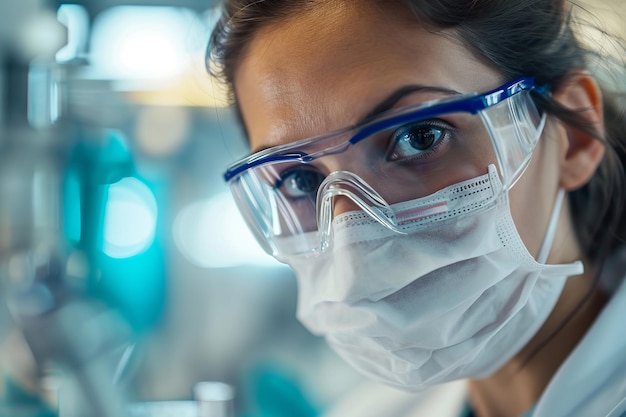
(330, 67)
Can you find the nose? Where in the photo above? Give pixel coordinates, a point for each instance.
(343, 191)
(349, 183)
(343, 204)
(349, 174)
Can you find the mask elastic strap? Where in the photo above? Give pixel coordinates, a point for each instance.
(548, 240)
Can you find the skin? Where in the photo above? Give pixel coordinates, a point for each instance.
(294, 82)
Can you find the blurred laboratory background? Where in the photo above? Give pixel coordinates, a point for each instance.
(129, 284)
(122, 255)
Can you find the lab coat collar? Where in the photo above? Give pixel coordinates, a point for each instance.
(592, 380)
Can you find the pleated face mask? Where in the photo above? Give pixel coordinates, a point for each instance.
(428, 281)
(456, 296)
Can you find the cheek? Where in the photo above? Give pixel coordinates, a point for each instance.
(532, 197)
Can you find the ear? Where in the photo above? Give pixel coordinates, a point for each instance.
(582, 151)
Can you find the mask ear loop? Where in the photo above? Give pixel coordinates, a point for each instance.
(342, 183)
(548, 239)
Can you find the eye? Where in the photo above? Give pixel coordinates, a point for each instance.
(417, 140)
(297, 183)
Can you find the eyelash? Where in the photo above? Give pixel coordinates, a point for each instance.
(397, 136)
(287, 173)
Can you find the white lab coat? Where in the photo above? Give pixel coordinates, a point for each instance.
(590, 383)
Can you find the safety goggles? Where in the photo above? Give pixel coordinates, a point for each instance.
(287, 193)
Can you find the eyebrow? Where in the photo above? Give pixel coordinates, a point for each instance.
(390, 101)
(401, 92)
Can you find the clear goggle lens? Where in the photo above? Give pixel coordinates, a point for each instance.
(287, 193)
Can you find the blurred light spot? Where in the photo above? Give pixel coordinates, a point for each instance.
(76, 19)
(212, 234)
(192, 88)
(140, 42)
(160, 131)
(213, 391)
(156, 55)
(130, 219)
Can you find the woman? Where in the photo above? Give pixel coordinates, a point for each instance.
(444, 178)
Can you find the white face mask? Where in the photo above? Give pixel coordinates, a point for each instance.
(449, 300)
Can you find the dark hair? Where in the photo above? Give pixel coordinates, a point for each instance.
(520, 38)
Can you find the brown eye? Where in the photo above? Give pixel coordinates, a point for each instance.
(300, 183)
(422, 138)
(415, 140)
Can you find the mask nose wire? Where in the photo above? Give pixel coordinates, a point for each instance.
(347, 184)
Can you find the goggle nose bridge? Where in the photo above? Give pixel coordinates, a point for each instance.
(350, 185)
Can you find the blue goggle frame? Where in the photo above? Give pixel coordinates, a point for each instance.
(472, 103)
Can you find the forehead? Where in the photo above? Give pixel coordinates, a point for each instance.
(324, 69)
